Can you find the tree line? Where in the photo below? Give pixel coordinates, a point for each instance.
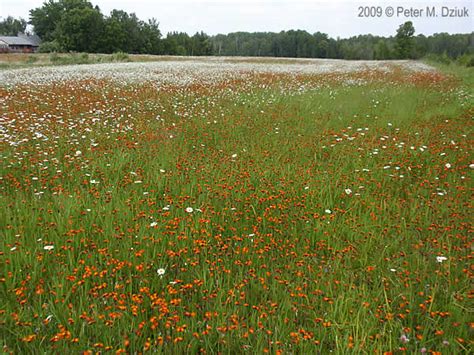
(78, 25)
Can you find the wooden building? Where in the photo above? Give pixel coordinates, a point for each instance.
(19, 44)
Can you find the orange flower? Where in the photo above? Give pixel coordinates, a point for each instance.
(29, 338)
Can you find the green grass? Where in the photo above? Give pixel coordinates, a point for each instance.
(259, 265)
(463, 73)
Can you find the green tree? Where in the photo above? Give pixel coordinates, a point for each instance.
(405, 40)
(178, 43)
(81, 30)
(321, 45)
(12, 26)
(46, 18)
(381, 51)
(200, 44)
(117, 36)
(150, 36)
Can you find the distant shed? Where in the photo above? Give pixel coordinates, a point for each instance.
(19, 44)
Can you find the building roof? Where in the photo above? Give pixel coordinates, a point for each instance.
(34, 39)
(18, 41)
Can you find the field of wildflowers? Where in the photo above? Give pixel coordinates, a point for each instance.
(236, 207)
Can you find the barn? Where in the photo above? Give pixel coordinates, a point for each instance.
(19, 44)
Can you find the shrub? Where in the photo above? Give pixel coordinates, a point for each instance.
(80, 58)
(54, 57)
(466, 60)
(50, 47)
(438, 58)
(32, 59)
(120, 57)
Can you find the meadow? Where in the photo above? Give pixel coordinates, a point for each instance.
(236, 206)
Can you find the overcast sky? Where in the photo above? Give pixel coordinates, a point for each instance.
(334, 17)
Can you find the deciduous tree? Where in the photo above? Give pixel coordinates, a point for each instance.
(12, 26)
(405, 40)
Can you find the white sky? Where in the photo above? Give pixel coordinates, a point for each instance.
(334, 17)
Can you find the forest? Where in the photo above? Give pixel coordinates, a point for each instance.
(79, 26)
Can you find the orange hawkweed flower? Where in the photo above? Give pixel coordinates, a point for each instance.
(29, 338)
